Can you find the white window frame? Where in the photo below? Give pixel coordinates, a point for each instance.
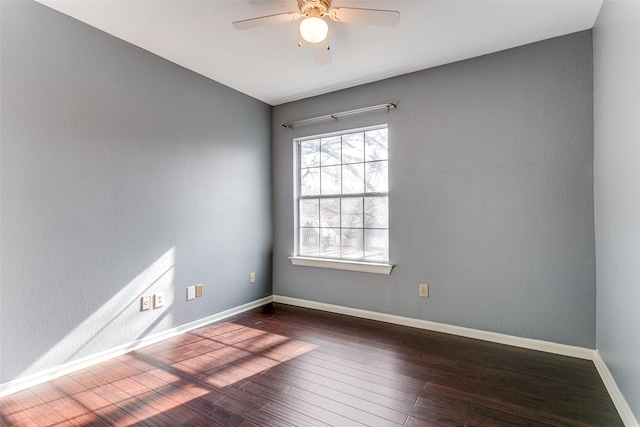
(322, 262)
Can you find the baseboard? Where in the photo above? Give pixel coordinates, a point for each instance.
(616, 395)
(67, 368)
(548, 347)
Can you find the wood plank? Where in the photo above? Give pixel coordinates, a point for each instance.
(360, 415)
(297, 411)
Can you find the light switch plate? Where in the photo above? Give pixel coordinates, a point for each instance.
(158, 300)
(191, 293)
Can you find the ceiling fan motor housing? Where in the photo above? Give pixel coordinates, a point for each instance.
(314, 8)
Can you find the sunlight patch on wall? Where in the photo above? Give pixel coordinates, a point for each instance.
(119, 320)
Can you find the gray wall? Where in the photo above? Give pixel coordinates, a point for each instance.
(122, 174)
(491, 182)
(617, 192)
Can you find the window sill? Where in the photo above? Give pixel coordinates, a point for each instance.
(337, 264)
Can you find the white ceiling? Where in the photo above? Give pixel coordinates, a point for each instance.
(266, 63)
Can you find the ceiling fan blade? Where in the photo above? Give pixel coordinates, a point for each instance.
(248, 24)
(322, 52)
(385, 18)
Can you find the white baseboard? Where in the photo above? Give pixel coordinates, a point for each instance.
(67, 368)
(616, 395)
(549, 347)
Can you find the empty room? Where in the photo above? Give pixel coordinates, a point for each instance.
(319, 213)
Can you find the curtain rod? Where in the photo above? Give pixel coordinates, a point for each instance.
(334, 116)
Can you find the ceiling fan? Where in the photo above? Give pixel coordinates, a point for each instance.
(313, 27)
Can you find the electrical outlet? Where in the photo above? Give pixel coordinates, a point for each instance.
(424, 291)
(158, 300)
(145, 303)
(199, 291)
(252, 277)
(191, 293)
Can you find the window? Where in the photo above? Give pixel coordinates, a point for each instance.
(343, 198)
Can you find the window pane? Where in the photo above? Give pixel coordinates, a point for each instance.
(376, 245)
(376, 212)
(331, 153)
(310, 153)
(341, 212)
(309, 242)
(310, 182)
(309, 213)
(353, 178)
(331, 177)
(330, 213)
(376, 144)
(330, 242)
(377, 176)
(353, 148)
(352, 213)
(352, 245)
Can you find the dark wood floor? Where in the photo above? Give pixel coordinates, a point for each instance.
(283, 366)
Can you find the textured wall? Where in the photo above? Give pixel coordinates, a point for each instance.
(491, 183)
(122, 174)
(617, 192)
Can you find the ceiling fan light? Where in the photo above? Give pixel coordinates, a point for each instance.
(313, 30)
